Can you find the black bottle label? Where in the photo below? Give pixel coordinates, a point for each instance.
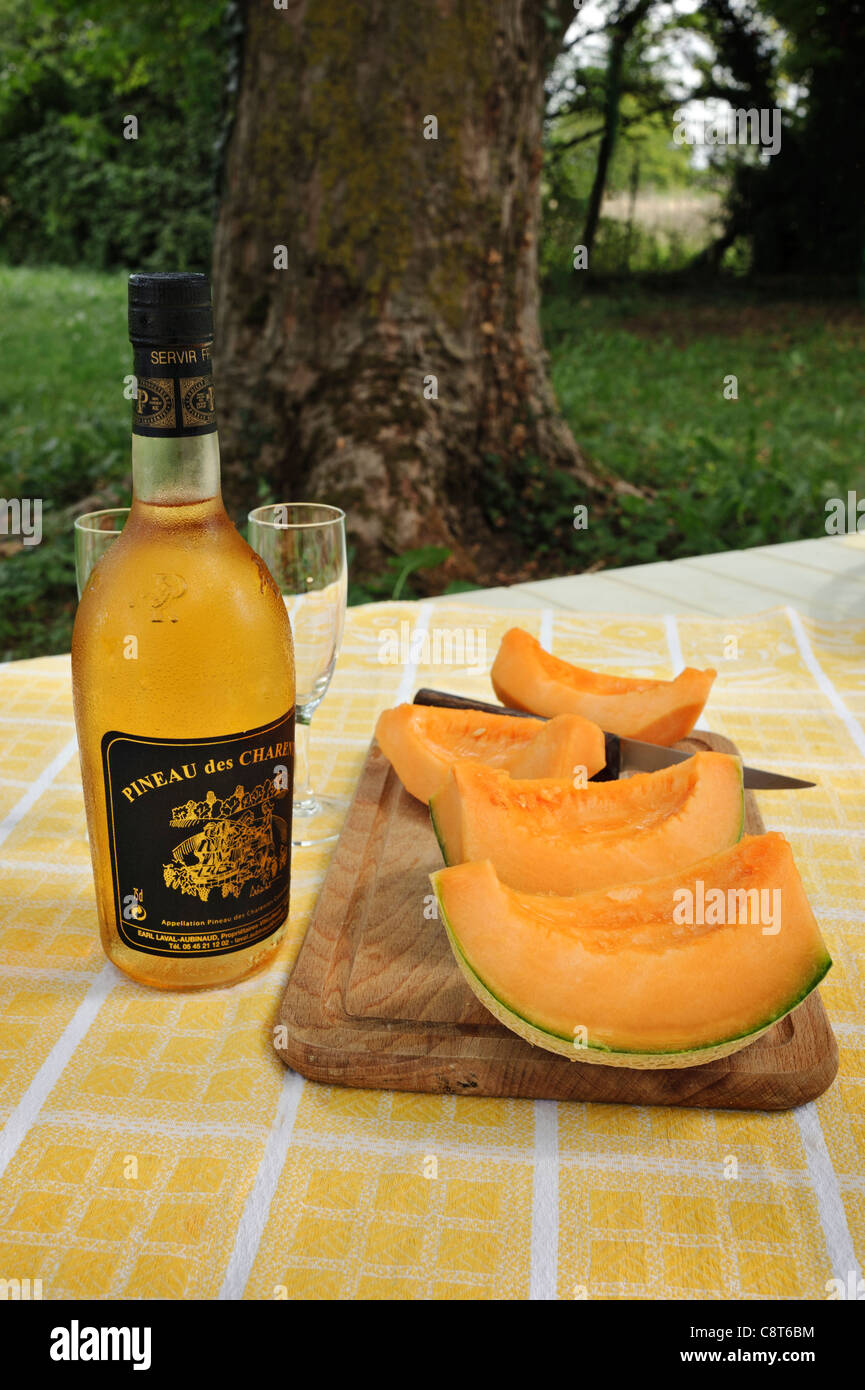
(200, 838)
(173, 391)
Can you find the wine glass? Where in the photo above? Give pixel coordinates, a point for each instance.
(95, 532)
(303, 546)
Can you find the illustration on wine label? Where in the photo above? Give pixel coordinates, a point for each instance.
(228, 852)
(235, 858)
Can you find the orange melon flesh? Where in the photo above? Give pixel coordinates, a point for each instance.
(560, 747)
(550, 836)
(647, 990)
(424, 741)
(526, 677)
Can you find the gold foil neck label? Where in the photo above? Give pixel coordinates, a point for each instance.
(174, 391)
(154, 403)
(197, 401)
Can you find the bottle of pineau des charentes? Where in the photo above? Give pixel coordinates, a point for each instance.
(183, 684)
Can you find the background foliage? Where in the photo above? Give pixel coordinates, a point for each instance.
(700, 266)
(73, 190)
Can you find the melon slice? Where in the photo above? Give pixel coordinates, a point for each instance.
(424, 741)
(526, 677)
(616, 978)
(550, 836)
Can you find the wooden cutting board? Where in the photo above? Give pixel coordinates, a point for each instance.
(376, 1000)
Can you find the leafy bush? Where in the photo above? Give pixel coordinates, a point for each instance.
(395, 580)
(73, 189)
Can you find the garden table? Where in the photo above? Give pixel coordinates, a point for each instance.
(155, 1148)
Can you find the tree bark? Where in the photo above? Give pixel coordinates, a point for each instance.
(409, 259)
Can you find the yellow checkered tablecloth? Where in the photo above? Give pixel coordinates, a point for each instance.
(154, 1147)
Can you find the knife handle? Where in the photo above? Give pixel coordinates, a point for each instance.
(612, 768)
(446, 701)
(441, 698)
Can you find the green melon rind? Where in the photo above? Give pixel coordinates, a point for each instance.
(598, 1055)
(742, 812)
(441, 842)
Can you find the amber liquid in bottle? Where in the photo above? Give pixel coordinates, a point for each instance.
(183, 682)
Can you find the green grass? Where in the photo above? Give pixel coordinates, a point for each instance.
(641, 381)
(639, 376)
(64, 435)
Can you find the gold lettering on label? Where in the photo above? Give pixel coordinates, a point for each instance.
(166, 356)
(158, 779)
(263, 754)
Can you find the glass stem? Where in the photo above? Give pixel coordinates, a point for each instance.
(303, 792)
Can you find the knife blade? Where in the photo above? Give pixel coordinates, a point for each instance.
(624, 755)
(649, 757)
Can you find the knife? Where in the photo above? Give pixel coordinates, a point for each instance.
(623, 754)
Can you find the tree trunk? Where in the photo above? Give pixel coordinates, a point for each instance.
(612, 99)
(621, 33)
(411, 268)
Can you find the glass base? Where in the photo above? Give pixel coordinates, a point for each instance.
(317, 819)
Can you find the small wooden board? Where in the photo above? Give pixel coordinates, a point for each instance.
(376, 1000)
